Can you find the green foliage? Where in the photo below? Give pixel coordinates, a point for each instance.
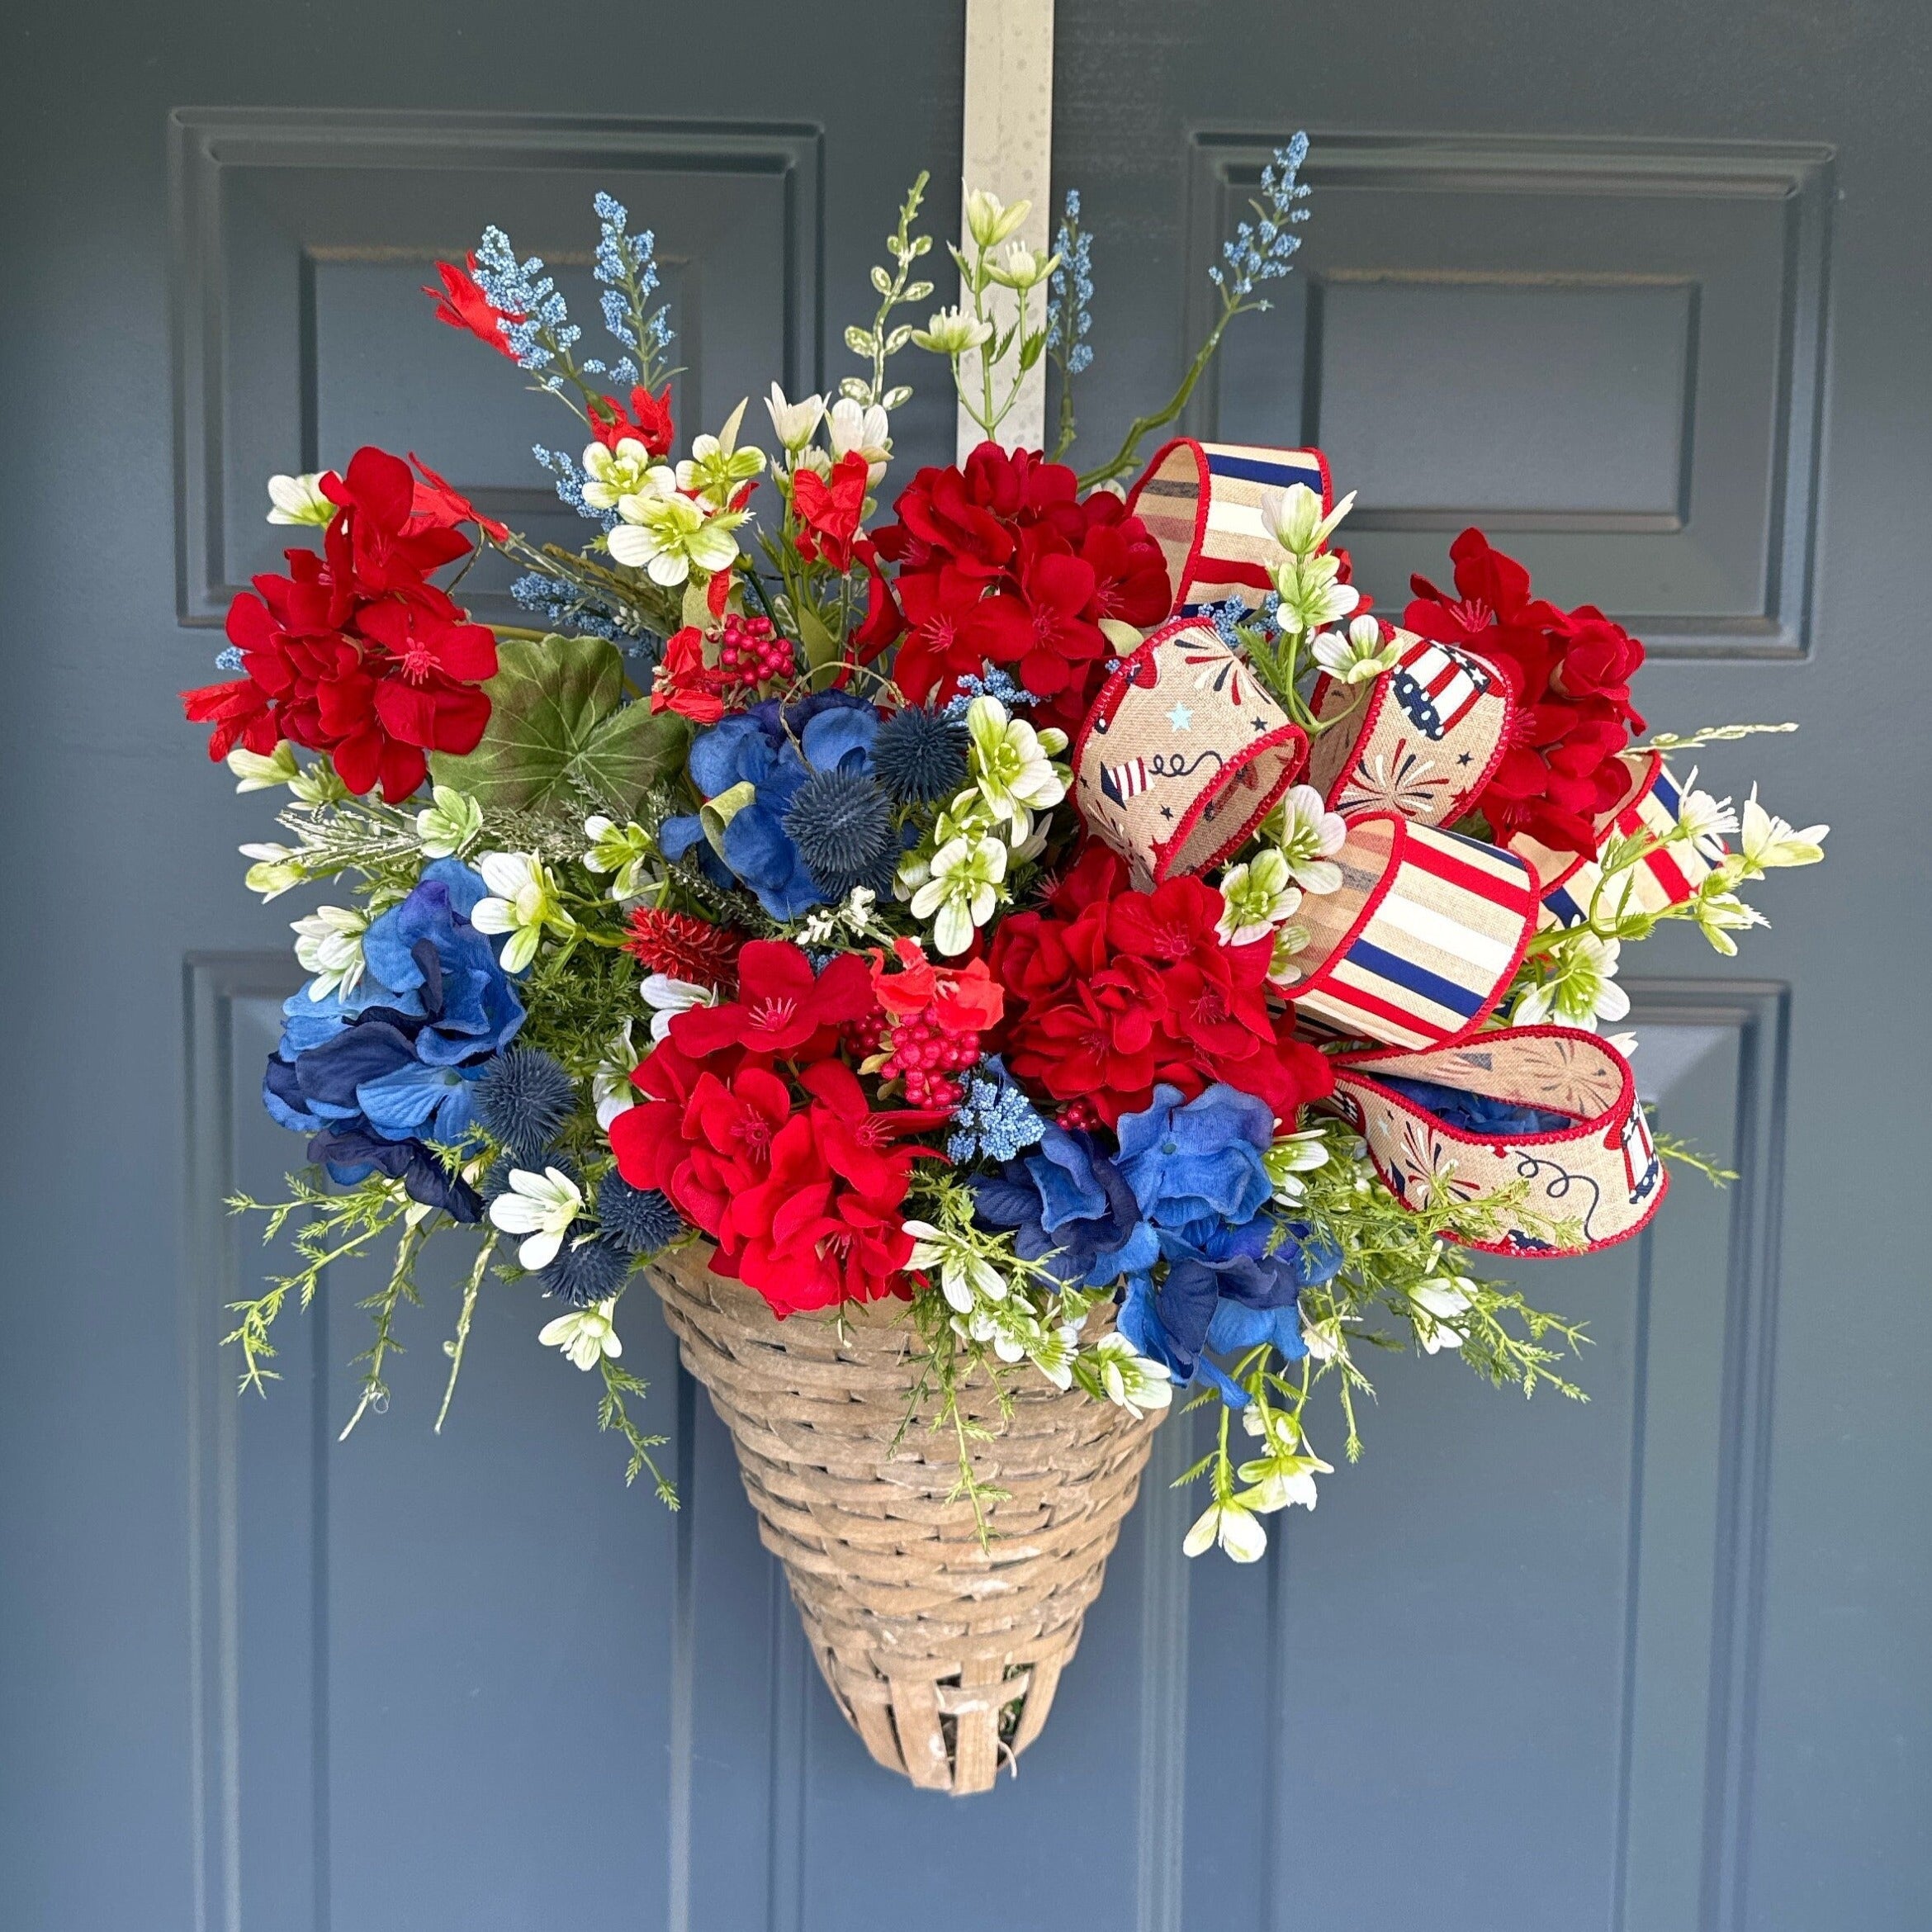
(557, 733)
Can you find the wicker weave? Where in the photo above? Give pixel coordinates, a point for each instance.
(944, 1655)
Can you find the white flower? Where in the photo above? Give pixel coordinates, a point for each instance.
(1294, 518)
(1706, 819)
(1581, 990)
(1022, 268)
(1012, 765)
(794, 424)
(523, 902)
(1312, 592)
(1236, 1529)
(868, 430)
(964, 1277)
(668, 997)
(989, 221)
(299, 499)
(951, 332)
(716, 467)
(1292, 1154)
(1257, 895)
(1443, 1298)
(256, 773)
(1625, 1042)
(610, 1083)
(1309, 837)
(449, 824)
(1359, 655)
(615, 473)
(625, 850)
(541, 1207)
(1768, 841)
(667, 537)
(1323, 1338)
(276, 870)
(957, 888)
(584, 1334)
(329, 944)
(1718, 915)
(1133, 1382)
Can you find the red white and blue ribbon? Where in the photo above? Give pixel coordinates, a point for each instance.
(1538, 1128)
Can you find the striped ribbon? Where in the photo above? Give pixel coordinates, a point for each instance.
(1201, 502)
(1183, 754)
(1423, 938)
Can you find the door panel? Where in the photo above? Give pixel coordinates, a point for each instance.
(1633, 290)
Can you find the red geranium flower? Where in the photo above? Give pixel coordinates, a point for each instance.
(965, 999)
(684, 683)
(829, 512)
(435, 503)
(1570, 672)
(1000, 561)
(462, 304)
(355, 652)
(782, 1008)
(1115, 990)
(648, 420)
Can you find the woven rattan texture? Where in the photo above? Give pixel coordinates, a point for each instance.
(944, 1654)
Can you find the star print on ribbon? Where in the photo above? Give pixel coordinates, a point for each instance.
(1538, 1128)
(1183, 754)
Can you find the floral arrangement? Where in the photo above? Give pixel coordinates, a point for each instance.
(1072, 910)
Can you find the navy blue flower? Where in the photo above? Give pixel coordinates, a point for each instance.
(641, 1219)
(523, 1097)
(352, 1154)
(833, 730)
(1068, 1197)
(589, 1268)
(1200, 1161)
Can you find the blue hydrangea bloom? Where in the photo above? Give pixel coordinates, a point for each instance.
(352, 1154)
(1200, 1161)
(761, 748)
(1477, 1113)
(1070, 1198)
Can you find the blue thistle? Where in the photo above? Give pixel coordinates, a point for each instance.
(640, 1220)
(588, 1269)
(919, 756)
(523, 1097)
(842, 824)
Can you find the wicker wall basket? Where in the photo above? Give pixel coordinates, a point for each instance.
(944, 1655)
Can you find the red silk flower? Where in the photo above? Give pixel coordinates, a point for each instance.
(648, 420)
(828, 512)
(461, 303)
(1570, 672)
(1110, 991)
(355, 652)
(1001, 562)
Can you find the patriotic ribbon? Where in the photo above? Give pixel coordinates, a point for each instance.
(1201, 502)
(1664, 877)
(1183, 754)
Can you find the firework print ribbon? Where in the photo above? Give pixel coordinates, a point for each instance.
(1538, 1128)
(1421, 739)
(1201, 502)
(1183, 754)
(1420, 942)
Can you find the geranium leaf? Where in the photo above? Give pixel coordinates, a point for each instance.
(558, 726)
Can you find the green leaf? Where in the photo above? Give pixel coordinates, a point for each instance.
(1031, 349)
(821, 647)
(558, 728)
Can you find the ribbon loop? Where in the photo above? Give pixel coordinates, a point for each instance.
(1422, 940)
(1183, 754)
(1201, 502)
(1423, 741)
(1661, 879)
(1547, 1116)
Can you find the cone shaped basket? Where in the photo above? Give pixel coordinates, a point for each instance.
(944, 1654)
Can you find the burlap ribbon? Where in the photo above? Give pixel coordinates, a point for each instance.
(1185, 753)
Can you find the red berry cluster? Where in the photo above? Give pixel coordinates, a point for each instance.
(752, 652)
(923, 1054)
(864, 1038)
(1077, 1114)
